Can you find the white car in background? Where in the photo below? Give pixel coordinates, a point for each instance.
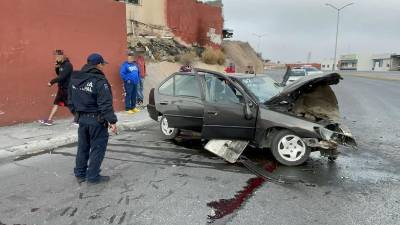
(295, 73)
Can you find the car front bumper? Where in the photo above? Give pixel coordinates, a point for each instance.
(331, 139)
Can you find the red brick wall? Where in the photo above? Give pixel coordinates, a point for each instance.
(191, 20)
(31, 30)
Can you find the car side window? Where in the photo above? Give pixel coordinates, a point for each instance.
(167, 88)
(187, 85)
(219, 90)
(181, 85)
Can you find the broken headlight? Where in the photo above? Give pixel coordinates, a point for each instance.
(336, 137)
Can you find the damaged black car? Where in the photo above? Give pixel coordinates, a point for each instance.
(234, 111)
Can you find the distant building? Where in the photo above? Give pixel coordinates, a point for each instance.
(365, 62)
(355, 62)
(327, 65)
(386, 62)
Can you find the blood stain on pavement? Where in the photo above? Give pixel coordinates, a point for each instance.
(224, 207)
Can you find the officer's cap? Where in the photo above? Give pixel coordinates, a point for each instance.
(96, 59)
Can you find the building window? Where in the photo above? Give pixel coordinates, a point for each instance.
(327, 66)
(135, 2)
(323, 66)
(380, 63)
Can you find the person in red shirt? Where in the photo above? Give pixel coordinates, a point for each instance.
(142, 68)
(230, 68)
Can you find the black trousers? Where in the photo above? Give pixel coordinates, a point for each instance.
(92, 145)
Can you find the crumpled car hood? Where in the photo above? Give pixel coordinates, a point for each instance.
(293, 91)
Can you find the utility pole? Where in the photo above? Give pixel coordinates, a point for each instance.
(259, 36)
(309, 57)
(337, 29)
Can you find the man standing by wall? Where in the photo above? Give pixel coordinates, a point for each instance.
(130, 75)
(142, 68)
(63, 70)
(90, 98)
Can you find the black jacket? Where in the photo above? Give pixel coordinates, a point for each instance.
(63, 71)
(90, 92)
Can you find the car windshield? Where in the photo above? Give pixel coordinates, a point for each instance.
(264, 88)
(311, 69)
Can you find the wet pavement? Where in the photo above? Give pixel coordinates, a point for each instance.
(161, 182)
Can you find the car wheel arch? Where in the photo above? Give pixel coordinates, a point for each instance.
(266, 141)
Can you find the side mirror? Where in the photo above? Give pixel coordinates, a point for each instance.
(247, 110)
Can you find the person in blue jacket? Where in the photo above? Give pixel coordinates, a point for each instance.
(130, 75)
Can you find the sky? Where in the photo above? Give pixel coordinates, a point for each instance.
(294, 28)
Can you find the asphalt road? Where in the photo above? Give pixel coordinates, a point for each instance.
(160, 182)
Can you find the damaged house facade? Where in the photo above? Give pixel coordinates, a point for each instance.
(182, 20)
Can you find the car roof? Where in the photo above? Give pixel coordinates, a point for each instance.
(246, 75)
(231, 75)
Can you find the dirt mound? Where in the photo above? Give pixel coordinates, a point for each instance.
(243, 56)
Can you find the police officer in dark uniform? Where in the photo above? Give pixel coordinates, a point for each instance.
(90, 99)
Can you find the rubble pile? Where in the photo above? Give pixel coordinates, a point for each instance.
(161, 49)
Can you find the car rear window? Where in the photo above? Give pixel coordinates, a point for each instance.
(308, 69)
(181, 85)
(186, 85)
(297, 72)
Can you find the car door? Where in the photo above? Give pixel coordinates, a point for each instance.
(224, 110)
(181, 102)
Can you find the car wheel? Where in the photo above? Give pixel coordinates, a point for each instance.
(289, 149)
(168, 132)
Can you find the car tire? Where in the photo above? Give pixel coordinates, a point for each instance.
(289, 149)
(168, 132)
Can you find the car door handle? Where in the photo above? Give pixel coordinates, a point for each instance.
(212, 113)
(164, 103)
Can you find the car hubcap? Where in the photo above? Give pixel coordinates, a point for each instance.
(164, 127)
(291, 148)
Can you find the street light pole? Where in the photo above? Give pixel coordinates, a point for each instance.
(259, 41)
(337, 29)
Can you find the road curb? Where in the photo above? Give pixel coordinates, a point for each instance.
(70, 137)
(372, 77)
